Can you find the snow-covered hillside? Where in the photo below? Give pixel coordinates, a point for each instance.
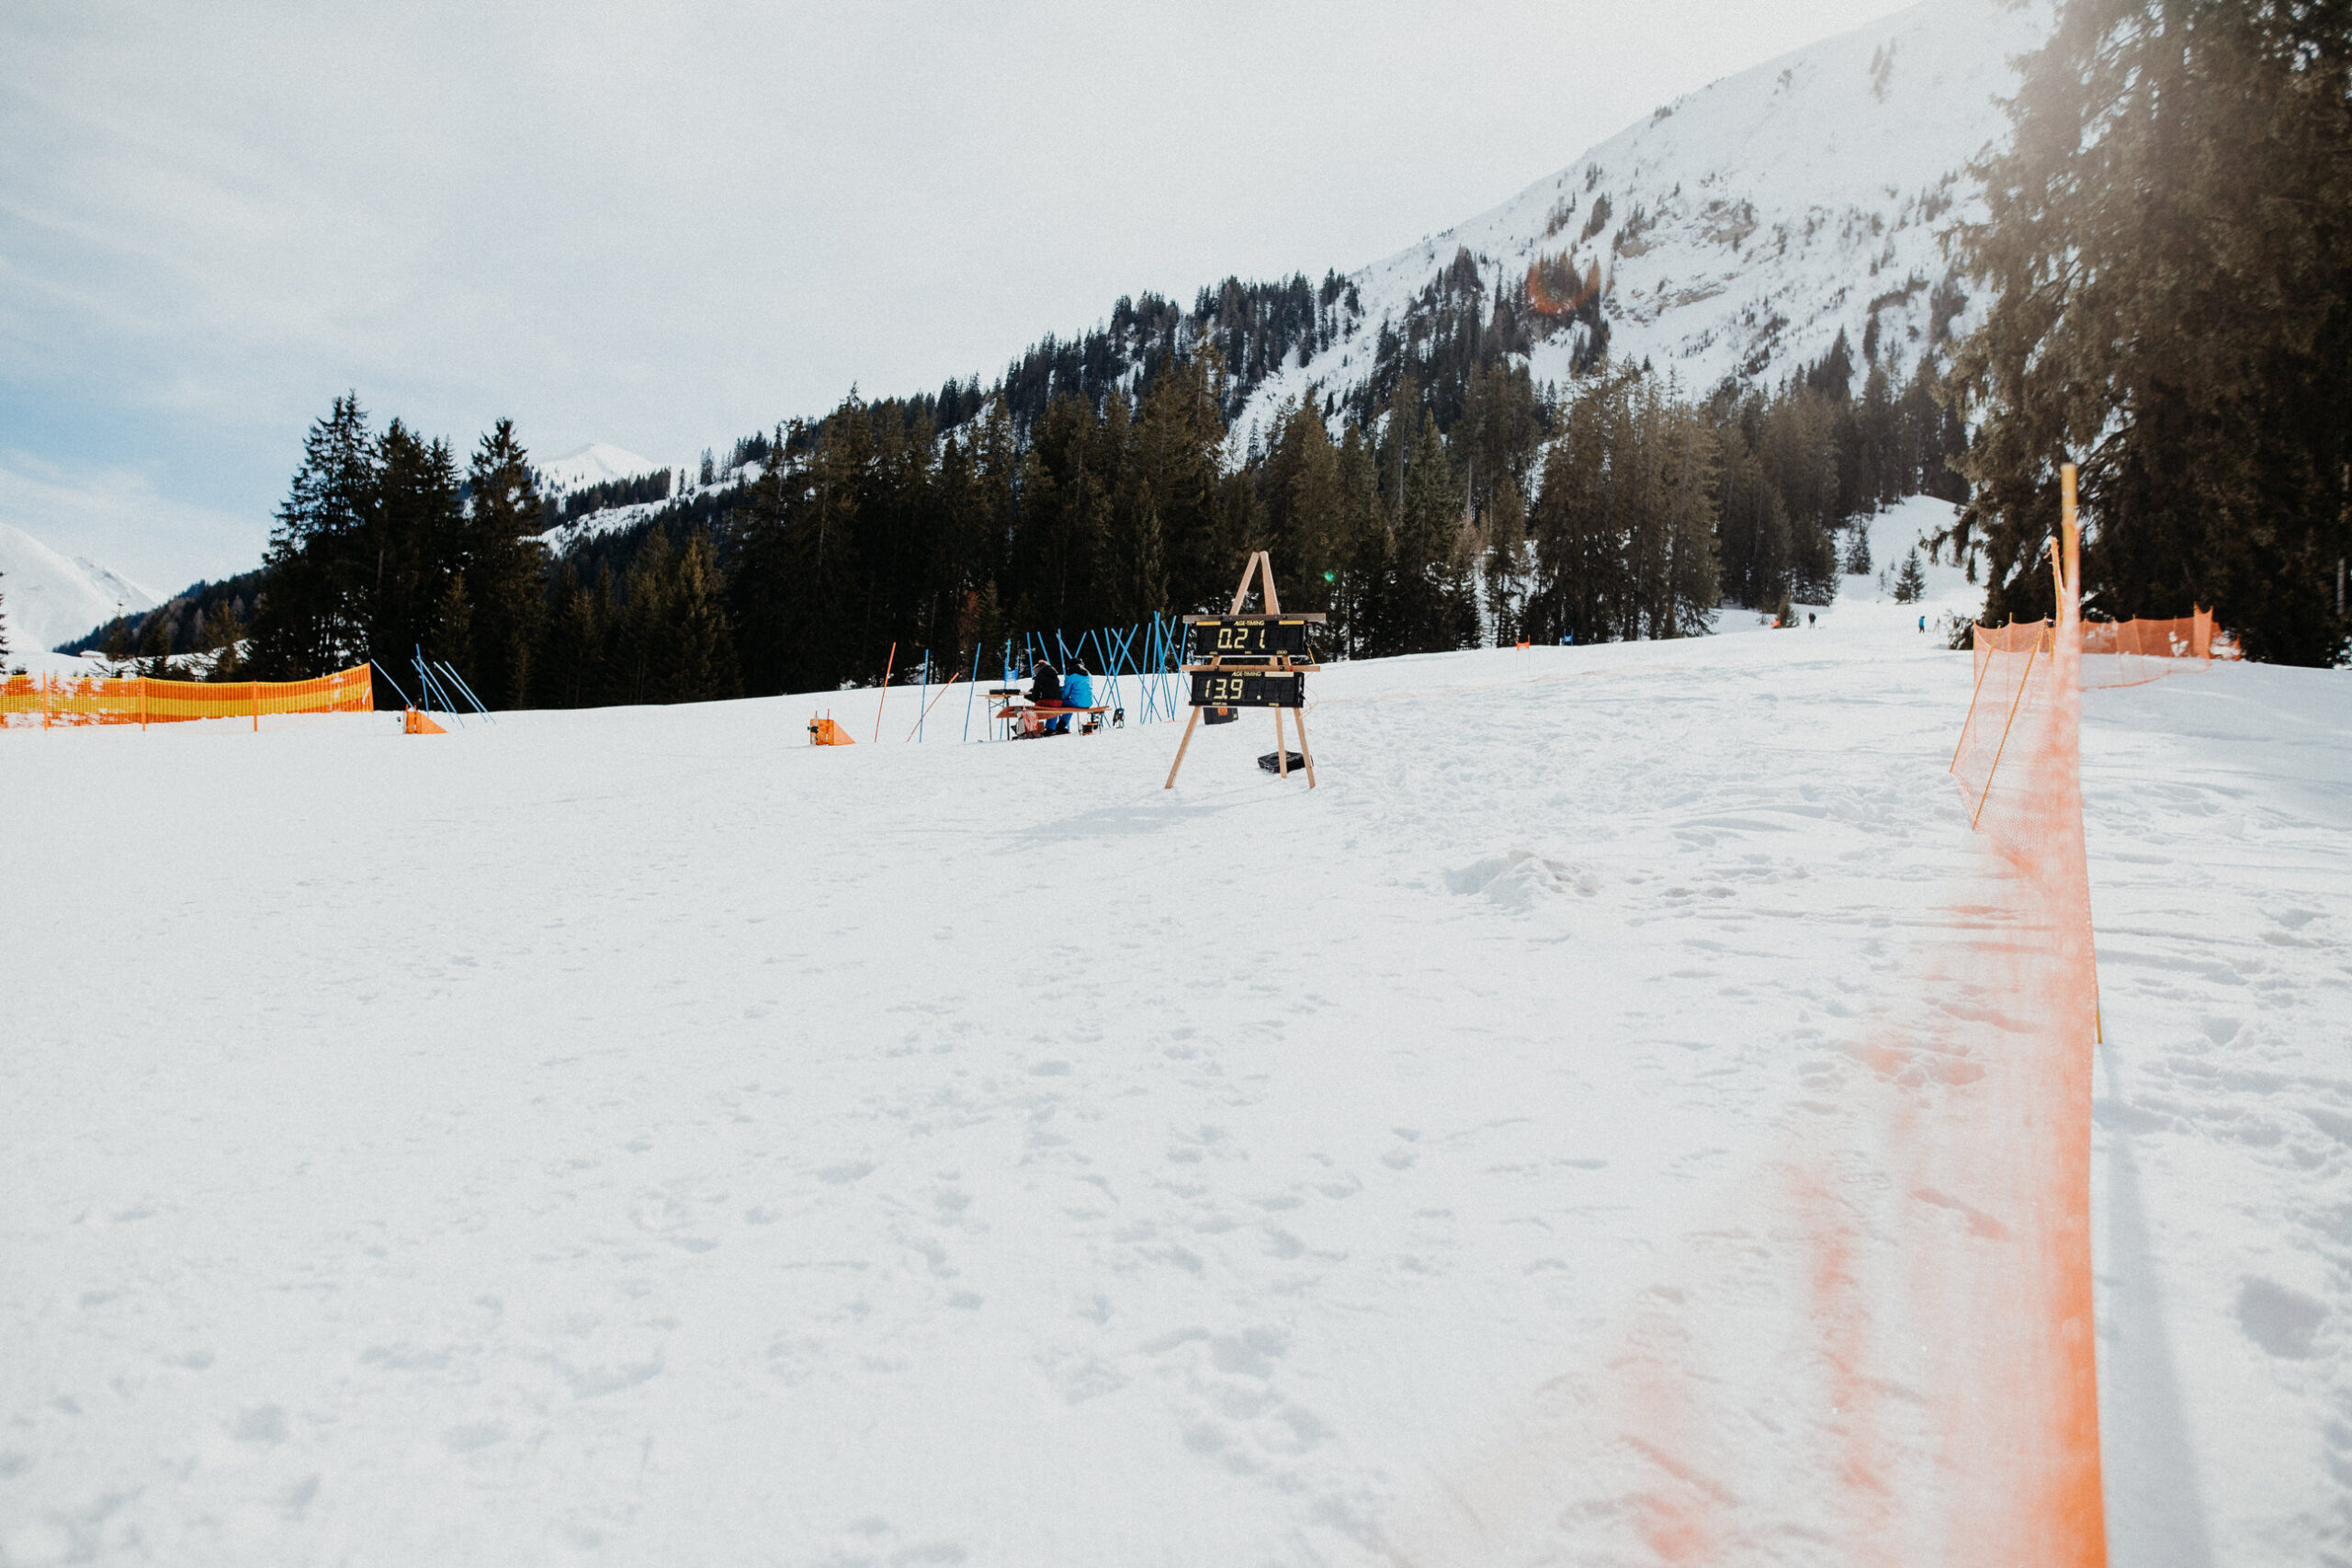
(597, 463)
(638, 1136)
(1738, 230)
(48, 598)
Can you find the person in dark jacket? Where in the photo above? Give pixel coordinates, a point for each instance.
(1045, 686)
(1046, 692)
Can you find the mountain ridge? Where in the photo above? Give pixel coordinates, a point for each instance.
(48, 597)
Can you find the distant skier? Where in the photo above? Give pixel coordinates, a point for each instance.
(1922, 622)
(1808, 620)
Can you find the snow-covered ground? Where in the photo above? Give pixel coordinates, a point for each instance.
(638, 1136)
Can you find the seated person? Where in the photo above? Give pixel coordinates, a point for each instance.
(1078, 692)
(1045, 692)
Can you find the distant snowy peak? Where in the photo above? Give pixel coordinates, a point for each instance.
(47, 598)
(1736, 231)
(597, 463)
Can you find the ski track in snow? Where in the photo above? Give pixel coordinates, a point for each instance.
(637, 1136)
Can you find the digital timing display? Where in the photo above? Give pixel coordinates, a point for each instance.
(1248, 637)
(1248, 689)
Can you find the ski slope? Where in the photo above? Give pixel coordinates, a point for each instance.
(637, 1137)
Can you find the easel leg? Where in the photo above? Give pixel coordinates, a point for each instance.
(1180, 745)
(1282, 757)
(1305, 755)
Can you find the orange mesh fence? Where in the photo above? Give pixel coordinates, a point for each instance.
(2129, 653)
(2024, 1005)
(2011, 682)
(45, 702)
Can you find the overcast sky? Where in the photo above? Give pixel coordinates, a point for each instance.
(668, 225)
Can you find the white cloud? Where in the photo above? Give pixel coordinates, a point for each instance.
(118, 518)
(668, 225)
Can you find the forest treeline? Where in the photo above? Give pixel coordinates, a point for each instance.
(1614, 508)
(2166, 260)
(2167, 253)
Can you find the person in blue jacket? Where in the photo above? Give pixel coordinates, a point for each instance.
(1078, 692)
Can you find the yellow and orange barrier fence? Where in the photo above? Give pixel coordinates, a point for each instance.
(48, 702)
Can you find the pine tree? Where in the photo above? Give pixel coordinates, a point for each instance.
(562, 670)
(451, 638)
(702, 646)
(1857, 551)
(154, 661)
(222, 635)
(638, 667)
(412, 544)
(311, 615)
(1910, 582)
(1364, 566)
(2169, 246)
(1433, 603)
(505, 568)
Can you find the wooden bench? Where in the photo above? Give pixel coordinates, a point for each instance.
(1026, 720)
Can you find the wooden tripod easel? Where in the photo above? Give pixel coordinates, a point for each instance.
(1262, 567)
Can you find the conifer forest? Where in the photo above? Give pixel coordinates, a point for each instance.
(2152, 308)
(1612, 509)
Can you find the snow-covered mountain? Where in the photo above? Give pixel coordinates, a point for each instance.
(1739, 229)
(1734, 232)
(597, 463)
(47, 598)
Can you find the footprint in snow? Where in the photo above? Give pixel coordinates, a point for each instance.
(1520, 878)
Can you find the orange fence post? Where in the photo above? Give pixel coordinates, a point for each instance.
(888, 665)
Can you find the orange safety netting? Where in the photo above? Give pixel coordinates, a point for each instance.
(1877, 1348)
(2128, 653)
(2025, 989)
(45, 702)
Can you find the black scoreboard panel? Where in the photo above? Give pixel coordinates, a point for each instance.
(1248, 689)
(1248, 637)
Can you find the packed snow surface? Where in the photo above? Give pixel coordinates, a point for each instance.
(47, 597)
(637, 1136)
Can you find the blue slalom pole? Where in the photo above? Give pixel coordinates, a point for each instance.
(433, 691)
(922, 709)
(480, 707)
(1103, 645)
(395, 685)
